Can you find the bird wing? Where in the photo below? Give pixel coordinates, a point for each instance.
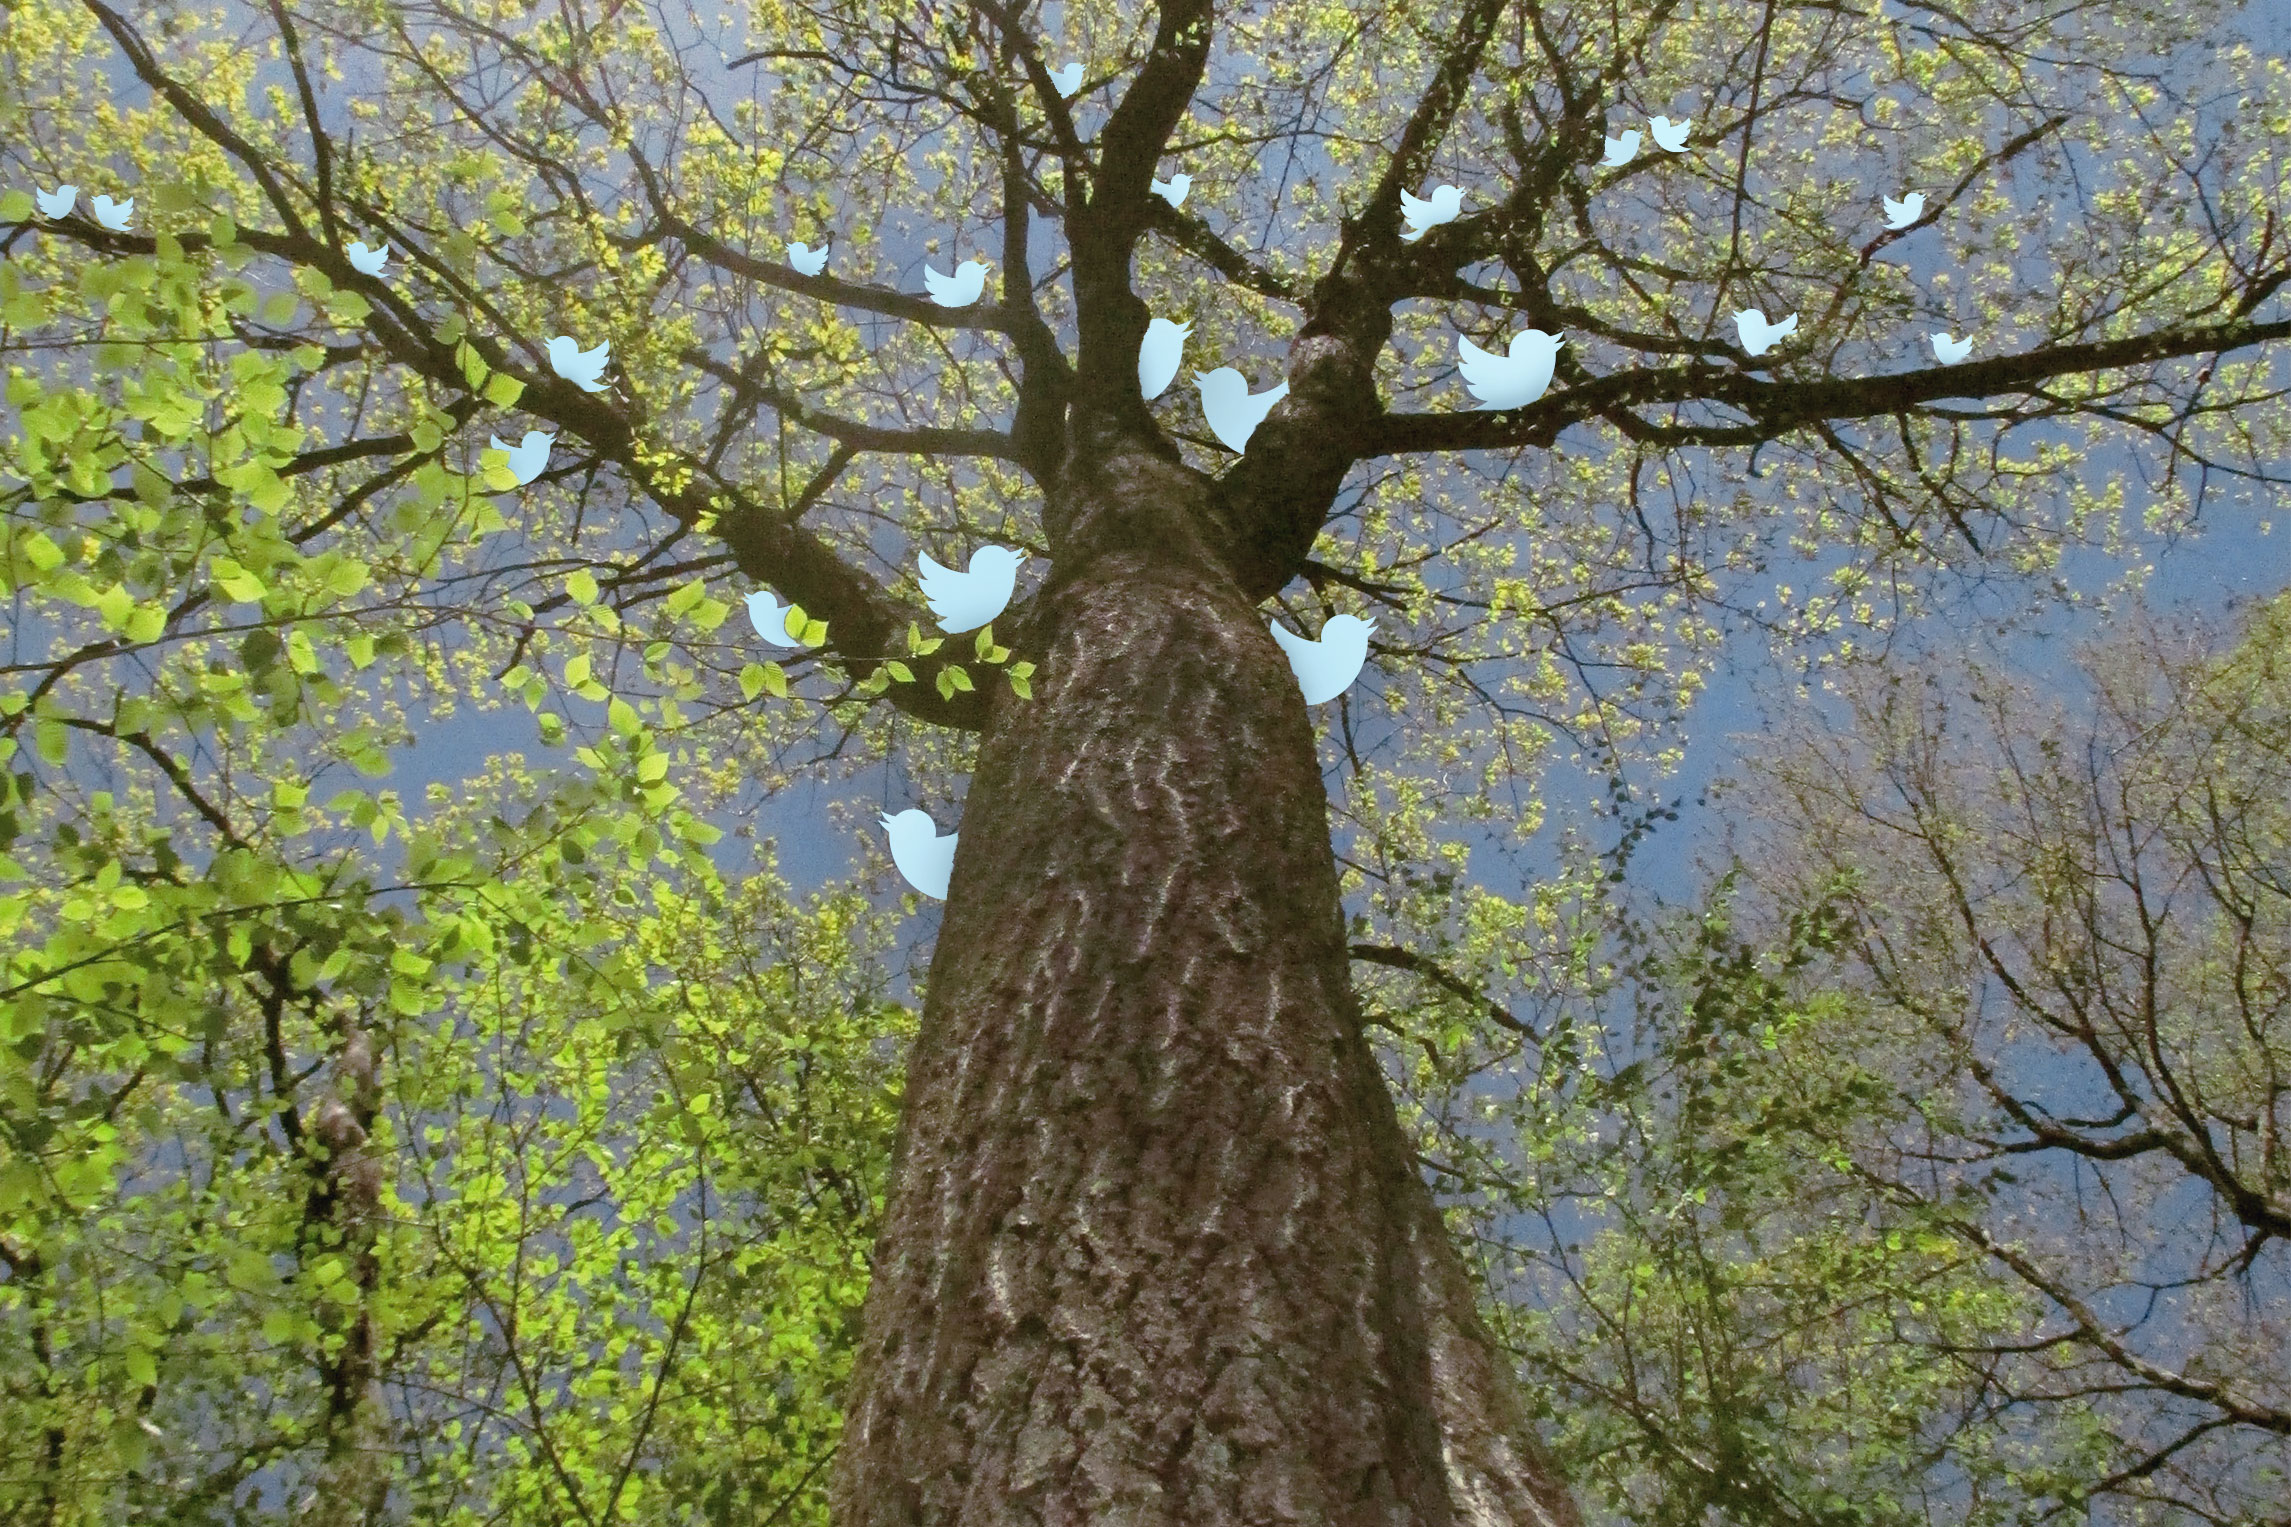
(1483, 372)
(942, 586)
(1413, 209)
(937, 285)
(1490, 376)
(498, 445)
(1786, 326)
(1291, 643)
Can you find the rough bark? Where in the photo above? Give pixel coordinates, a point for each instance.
(1155, 1251)
(341, 1215)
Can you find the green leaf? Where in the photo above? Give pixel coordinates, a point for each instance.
(147, 624)
(44, 555)
(242, 586)
(503, 390)
(770, 676)
(581, 587)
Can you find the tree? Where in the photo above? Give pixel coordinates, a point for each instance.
(1155, 1246)
(1919, 1172)
(2074, 940)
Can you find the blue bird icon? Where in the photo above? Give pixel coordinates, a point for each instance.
(1445, 205)
(1158, 356)
(1327, 667)
(528, 459)
(1068, 80)
(1671, 135)
(1513, 380)
(369, 262)
(56, 204)
(114, 214)
(923, 857)
(966, 601)
(1232, 413)
(807, 260)
(1759, 336)
(959, 290)
(770, 618)
(582, 368)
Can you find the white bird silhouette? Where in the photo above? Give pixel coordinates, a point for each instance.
(1621, 151)
(1234, 414)
(924, 858)
(770, 618)
(114, 214)
(57, 203)
(807, 260)
(1158, 356)
(581, 367)
(1446, 204)
(1173, 189)
(1671, 135)
(1900, 214)
(369, 262)
(1514, 380)
(1950, 351)
(1326, 668)
(959, 290)
(1759, 336)
(966, 601)
(1068, 80)
(528, 459)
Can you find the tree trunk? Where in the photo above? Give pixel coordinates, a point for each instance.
(1155, 1251)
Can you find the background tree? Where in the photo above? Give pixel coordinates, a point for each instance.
(1922, 1174)
(1154, 1244)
